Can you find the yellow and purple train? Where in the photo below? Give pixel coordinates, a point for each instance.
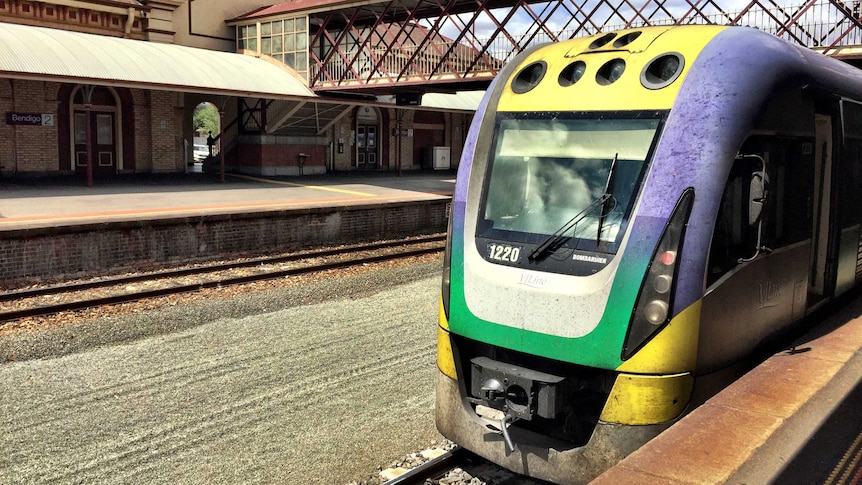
(634, 212)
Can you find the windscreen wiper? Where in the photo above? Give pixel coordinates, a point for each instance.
(555, 238)
(609, 189)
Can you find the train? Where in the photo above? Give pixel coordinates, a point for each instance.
(635, 212)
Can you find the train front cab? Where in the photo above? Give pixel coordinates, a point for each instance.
(782, 238)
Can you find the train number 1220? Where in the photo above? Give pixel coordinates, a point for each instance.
(504, 253)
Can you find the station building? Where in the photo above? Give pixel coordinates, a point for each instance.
(104, 87)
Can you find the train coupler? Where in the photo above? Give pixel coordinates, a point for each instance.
(505, 393)
(498, 422)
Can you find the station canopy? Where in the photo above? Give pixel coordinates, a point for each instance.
(43, 54)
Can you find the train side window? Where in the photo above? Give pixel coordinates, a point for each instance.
(785, 213)
(850, 168)
(732, 237)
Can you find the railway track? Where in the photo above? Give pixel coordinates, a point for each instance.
(433, 469)
(460, 466)
(47, 300)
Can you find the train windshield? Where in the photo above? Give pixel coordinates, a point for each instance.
(570, 178)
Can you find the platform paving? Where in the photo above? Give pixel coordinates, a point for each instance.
(45, 202)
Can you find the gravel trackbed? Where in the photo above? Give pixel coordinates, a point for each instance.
(312, 385)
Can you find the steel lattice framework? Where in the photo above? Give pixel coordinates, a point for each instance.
(427, 45)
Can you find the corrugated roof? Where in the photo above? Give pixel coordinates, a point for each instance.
(28, 52)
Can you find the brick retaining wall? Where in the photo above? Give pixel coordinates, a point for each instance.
(91, 249)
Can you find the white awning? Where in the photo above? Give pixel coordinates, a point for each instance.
(44, 54)
(461, 101)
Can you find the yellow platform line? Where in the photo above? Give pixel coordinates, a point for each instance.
(292, 184)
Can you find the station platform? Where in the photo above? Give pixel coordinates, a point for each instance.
(58, 228)
(794, 419)
(59, 201)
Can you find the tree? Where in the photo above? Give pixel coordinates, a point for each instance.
(206, 119)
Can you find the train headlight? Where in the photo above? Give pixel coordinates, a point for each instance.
(656, 312)
(653, 307)
(662, 283)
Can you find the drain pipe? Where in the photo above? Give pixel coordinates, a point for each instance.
(130, 19)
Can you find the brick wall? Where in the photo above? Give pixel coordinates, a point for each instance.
(166, 119)
(35, 148)
(106, 248)
(7, 144)
(143, 130)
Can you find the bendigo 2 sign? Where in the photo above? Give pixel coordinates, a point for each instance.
(34, 119)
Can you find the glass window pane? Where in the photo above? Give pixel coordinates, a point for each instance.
(80, 128)
(288, 25)
(279, 57)
(301, 60)
(276, 27)
(243, 31)
(266, 46)
(289, 42)
(252, 44)
(252, 30)
(278, 44)
(301, 41)
(300, 24)
(240, 44)
(290, 60)
(104, 129)
(265, 28)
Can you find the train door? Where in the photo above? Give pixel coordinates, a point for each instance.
(818, 284)
(759, 257)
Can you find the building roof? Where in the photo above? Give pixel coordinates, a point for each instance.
(28, 52)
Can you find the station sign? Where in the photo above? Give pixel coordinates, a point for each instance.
(30, 119)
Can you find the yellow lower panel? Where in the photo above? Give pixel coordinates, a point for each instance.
(445, 358)
(639, 400)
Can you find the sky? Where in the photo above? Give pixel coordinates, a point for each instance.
(522, 22)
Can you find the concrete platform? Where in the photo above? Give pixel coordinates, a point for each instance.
(63, 201)
(52, 229)
(793, 419)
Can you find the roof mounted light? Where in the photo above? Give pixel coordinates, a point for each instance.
(610, 72)
(572, 73)
(662, 70)
(529, 77)
(603, 40)
(627, 39)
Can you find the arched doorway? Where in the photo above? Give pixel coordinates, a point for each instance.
(106, 138)
(367, 138)
(206, 128)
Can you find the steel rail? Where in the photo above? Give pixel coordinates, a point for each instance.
(142, 295)
(210, 268)
(433, 468)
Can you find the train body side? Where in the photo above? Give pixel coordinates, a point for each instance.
(744, 107)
